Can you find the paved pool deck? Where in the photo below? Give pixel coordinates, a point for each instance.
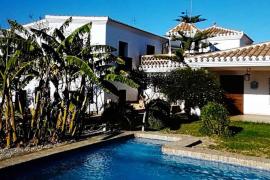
(197, 148)
(252, 118)
(218, 156)
(180, 145)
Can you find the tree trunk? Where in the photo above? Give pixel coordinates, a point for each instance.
(12, 119)
(66, 103)
(1, 112)
(97, 94)
(2, 104)
(36, 110)
(1, 119)
(77, 107)
(7, 117)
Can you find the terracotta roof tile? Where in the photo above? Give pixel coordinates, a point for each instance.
(240, 52)
(215, 31)
(184, 27)
(257, 50)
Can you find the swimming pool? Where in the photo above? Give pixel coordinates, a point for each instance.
(132, 159)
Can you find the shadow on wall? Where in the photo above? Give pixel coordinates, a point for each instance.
(131, 93)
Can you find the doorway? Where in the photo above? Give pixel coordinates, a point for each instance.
(233, 85)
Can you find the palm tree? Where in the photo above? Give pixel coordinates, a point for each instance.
(190, 43)
(190, 19)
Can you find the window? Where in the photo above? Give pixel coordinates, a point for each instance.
(123, 49)
(150, 50)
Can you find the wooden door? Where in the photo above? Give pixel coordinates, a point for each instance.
(233, 86)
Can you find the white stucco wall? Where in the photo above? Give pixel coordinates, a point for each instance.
(257, 101)
(137, 41)
(137, 45)
(224, 44)
(245, 40)
(109, 32)
(98, 30)
(104, 31)
(131, 93)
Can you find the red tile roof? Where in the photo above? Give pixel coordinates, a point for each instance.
(213, 30)
(216, 31)
(184, 27)
(255, 54)
(252, 51)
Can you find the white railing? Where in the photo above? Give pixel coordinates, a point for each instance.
(159, 63)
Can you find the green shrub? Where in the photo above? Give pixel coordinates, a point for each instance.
(196, 86)
(158, 114)
(215, 120)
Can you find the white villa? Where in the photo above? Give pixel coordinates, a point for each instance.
(220, 38)
(131, 43)
(243, 68)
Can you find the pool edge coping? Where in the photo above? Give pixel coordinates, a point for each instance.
(170, 148)
(183, 149)
(66, 148)
(219, 156)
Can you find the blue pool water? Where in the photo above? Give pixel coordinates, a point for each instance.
(132, 159)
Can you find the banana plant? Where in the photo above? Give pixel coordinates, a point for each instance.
(39, 70)
(59, 60)
(95, 66)
(12, 68)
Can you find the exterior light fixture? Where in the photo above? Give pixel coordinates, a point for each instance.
(247, 75)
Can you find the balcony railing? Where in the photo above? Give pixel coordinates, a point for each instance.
(159, 63)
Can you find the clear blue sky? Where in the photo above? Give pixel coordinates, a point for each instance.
(157, 16)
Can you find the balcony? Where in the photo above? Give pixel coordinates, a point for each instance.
(159, 63)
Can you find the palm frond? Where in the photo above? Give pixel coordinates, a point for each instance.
(2, 75)
(65, 25)
(120, 61)
(50, 51)
(84, 68)
(12, 61)
(122, 79)
(66, 43)
(58, 34)
(20, 70)
(46, 37)
(81, 30)
(16, 26)
(193, 19)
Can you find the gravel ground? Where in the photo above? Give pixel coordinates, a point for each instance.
(8, 153)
